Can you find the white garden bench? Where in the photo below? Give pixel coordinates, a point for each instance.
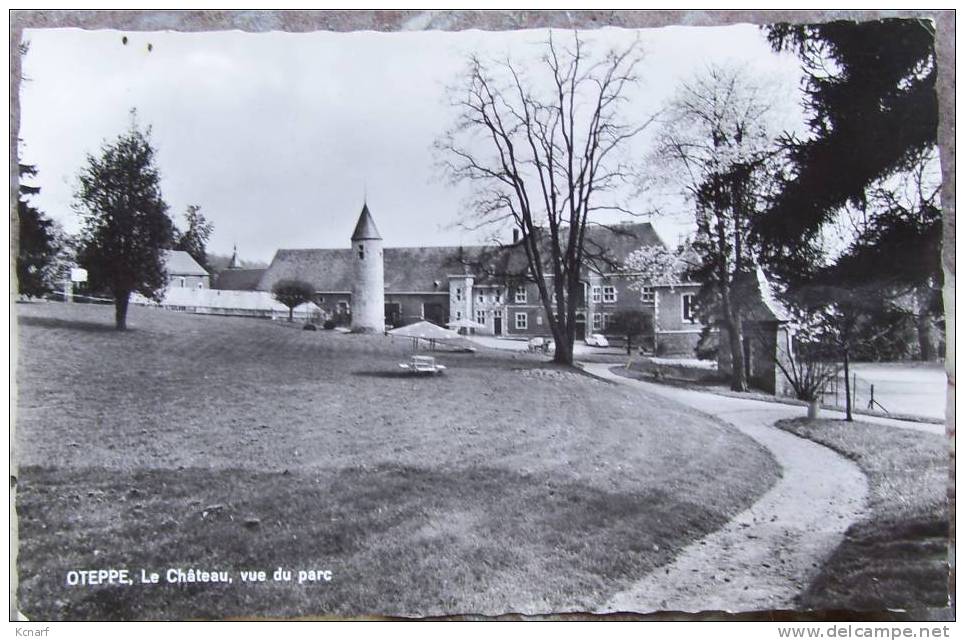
(423, 365)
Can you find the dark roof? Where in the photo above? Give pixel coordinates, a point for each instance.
(238, 279)
(180, 263)
(407, 269)
(365, 229)
(757, 296)
(426, 269)
(607, 247)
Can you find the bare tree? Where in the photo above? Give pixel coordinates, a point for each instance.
(542, 150)
(715, 146)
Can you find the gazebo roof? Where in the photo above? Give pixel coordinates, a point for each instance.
(424, 329)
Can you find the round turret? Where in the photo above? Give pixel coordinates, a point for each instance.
(368, 283)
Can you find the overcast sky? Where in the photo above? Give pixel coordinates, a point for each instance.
(276, 136)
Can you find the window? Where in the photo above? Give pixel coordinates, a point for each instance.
(498, 296)
(520, 295)
(522, 320)
(539, 320)
(459, 293)
(597, 322)
(480, 298)
(687, 308)
(458, 315)
(606, 321)
(361, 252)
(609, 294)
(481, 317)
(553, 297)
(497, 313)
(646, 295)
(596, 294)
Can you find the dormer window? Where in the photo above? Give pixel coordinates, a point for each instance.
(361, 252)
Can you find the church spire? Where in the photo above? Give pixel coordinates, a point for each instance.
(233, 264)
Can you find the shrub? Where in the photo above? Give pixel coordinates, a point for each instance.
(329, 324)
(708, 345)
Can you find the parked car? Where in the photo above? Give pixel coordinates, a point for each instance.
(597, 340)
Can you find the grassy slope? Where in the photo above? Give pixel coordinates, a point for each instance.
(897, 557)
(503, 485)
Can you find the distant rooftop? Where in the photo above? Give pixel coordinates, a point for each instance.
(180, 263)
(427, 269)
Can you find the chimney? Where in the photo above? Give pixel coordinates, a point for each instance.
(515, 235)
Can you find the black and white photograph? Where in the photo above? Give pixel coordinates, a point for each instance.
(455, 314)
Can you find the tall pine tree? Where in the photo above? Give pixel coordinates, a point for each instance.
(872, 118)
(38, 241)
(125, 221)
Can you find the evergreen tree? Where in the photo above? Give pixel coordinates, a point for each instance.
(195, 239)
(872, 116)
(39, 242)
(872, 110)
(125, 221)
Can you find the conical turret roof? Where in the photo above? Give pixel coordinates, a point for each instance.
(365, 229)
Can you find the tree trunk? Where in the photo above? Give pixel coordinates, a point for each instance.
(847, 387)
(120, 310)
(564, 348)
(735, 339)
(564, 326)
(291, 314)
(926, 345)
(563, 354)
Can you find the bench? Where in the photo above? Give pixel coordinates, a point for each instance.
(423, 365)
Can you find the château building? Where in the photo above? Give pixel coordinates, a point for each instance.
(378, 286)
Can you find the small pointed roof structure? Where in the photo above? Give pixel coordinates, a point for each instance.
(365, 228)
(233, 264)
(424, 329)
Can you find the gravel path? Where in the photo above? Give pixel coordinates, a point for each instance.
(767, 554)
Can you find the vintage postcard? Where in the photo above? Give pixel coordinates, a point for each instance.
(589, 320)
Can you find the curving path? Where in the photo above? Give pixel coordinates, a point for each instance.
(768, 553)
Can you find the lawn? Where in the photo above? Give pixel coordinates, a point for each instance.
(897, 557)
(227, 444)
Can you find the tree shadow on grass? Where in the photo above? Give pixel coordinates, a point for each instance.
(401, 539)
(66, 323)
(885, 565)
(387, 373)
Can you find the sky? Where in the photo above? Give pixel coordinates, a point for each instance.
(279, 137)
